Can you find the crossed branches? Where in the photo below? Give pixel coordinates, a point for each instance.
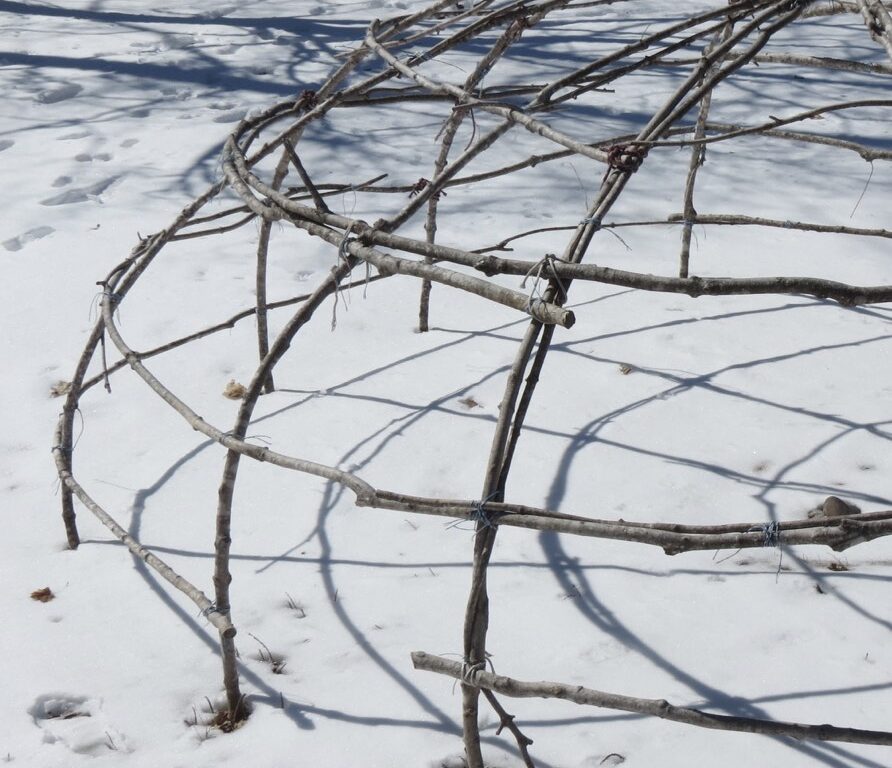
(731, 38)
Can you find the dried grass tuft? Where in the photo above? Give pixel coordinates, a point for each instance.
(234, 391)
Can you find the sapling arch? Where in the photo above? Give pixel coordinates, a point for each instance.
(730, 39)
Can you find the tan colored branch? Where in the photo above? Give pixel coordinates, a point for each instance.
(233, 167)
(467, 101)
(847, 295)
(208, 609)
(879, 22)
(838, 533)
(822, 62)
(661, 708)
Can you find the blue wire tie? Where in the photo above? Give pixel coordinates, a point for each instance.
(770, 531)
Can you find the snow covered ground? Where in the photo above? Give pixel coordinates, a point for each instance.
(731, 409)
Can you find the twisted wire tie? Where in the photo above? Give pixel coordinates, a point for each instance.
(533, 306)
(478, 514)
(345, 241)
(468, 670)
(770, 531)
(535, 302)
(342, 256)
(771, 538)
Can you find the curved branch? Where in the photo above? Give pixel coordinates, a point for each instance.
(219, 619)
(306, 218)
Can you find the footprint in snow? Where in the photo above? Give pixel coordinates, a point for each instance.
(17, 243)
(180, 94)
(81, 194)
(75, 135)
(60, 93)
(77, 722)
(231, 117)
(86, 157)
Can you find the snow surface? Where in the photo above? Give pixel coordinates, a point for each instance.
(736, 409)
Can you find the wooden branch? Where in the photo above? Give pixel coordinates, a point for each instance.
(868, 154)
(472, 10)
(547, 94)
(831, 8)
(838, 533)
(844, 294)
(767, 23)
(698, 157)
(325, 190)
(821, 62)
(449, 130)
(543, 311)
(380, 96)
(738, 220)
(347, 479)
(220, 619)
(136, 263)
(513, 411)
(507, 721)
(661, 708)
(304, 176)
(770, 129)
(441, 180)
(280, 128)
(327, 95)
(216, 328)
(728, 131)
(260, 278)
(879, 22)
(467, 100)
(221, 230)
(476, 619)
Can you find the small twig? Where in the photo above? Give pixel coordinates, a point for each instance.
(507, 721)
(863, 191)
(758, 221)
